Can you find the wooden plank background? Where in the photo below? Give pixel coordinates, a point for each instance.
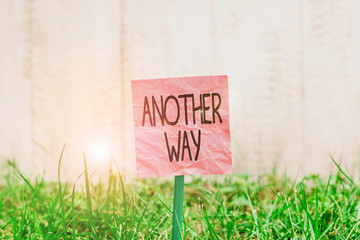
(293, 67)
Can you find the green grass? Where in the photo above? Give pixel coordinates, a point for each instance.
(232, 207)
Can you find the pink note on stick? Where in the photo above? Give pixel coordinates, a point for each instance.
(182, 126)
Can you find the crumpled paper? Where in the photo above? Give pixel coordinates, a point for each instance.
(168, 114)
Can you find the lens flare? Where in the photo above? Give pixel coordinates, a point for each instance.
(101, 152)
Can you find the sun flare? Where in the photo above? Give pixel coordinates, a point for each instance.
(101, 151)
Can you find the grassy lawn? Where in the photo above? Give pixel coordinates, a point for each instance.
(232, 207)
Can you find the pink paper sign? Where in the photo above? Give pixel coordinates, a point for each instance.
(182, 126)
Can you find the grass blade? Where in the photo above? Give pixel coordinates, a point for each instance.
(337, 165)
(60, 192)
(88, 197)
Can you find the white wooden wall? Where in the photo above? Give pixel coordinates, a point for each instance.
(293, 66)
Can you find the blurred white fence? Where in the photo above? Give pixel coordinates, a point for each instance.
(293, 67)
